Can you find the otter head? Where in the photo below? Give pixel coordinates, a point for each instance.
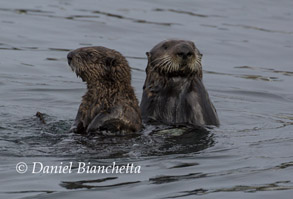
(93, 64)
(175, 58)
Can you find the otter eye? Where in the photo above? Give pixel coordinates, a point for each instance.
(90, 55)
(165, 46)
(110, 61)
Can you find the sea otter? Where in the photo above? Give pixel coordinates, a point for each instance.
(173, 92)
(109, 104)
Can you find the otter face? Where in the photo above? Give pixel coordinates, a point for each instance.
(175, 57)
(98, 63)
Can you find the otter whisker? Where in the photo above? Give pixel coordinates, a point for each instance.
(160, 63)
(197, 63)
(175, 67)
(171, 66)
(164, 58)
(164, 63)
(157, 60)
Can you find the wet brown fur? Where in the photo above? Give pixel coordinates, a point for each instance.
(110, 103)
(173, 92)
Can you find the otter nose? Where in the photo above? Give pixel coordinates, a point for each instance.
(184, 51)
(69, 57)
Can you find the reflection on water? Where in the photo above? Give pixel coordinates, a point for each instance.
(253, 77)
(260, 29)
(86, 184)
(287, 73)
(277, 186)
(128, 18)
(247, 62)
(42, 135)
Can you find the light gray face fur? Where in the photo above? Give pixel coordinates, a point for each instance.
(175, 56)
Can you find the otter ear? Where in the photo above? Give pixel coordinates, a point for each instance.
(111, 61)
(148, 54)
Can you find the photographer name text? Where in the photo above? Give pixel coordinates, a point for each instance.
(79, 168)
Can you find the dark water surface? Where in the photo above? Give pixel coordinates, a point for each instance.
(248, 71)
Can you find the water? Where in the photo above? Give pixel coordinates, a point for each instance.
(247, 49)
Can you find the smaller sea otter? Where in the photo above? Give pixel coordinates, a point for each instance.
(109, 104)
(173, 92)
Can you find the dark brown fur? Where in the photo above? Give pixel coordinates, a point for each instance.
(109, 104)
(173, 92)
